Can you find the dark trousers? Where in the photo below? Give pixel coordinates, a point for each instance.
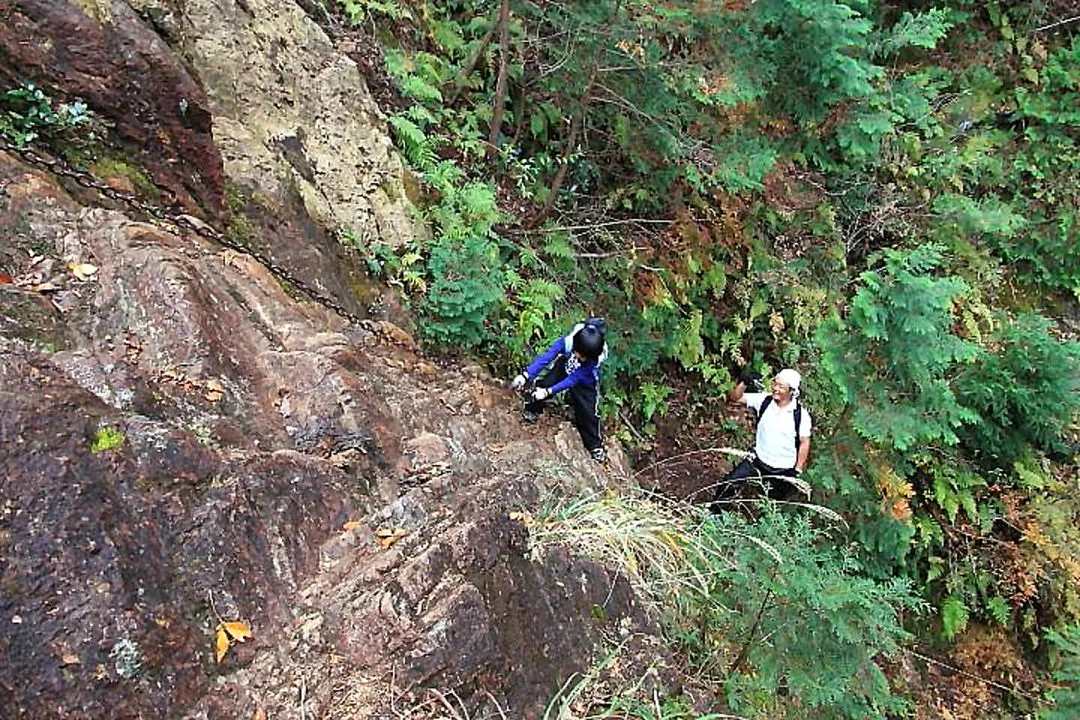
(585, 399)
(734, 485)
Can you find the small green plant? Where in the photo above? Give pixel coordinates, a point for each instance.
(1025, 390)
(358, 10)
(106, 439)
(127, 658)
(1067, 697)
(26, 114)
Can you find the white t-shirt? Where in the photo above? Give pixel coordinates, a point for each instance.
(775, 444)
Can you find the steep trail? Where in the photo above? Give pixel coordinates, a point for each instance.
(265, 440)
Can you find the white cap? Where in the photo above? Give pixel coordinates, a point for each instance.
(791, 378)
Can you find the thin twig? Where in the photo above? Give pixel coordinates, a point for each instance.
(704, 451)
(576, 125)
(1059, 23)
(497, 705)
(595, 226)
(470, 65)
(501, 81)
(446, 704)
(973, 676)
(753, 629)
(213, 608)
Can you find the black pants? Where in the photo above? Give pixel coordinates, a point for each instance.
(585, 399)
(734, 485)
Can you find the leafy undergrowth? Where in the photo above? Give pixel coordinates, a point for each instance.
(884, 198)
(771, 616)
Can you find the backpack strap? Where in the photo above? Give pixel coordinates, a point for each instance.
(798, 422)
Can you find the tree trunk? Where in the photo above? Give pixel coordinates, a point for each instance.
(500, 83)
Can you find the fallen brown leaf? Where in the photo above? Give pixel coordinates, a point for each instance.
(239, 631)
(260, 714)
(82, 271)
(522, 517)
(69, 658)
(388, 537)
(5, 279)
(351, 525)
(221, 643)
(214, 390)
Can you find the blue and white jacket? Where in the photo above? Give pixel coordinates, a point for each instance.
(577, 373)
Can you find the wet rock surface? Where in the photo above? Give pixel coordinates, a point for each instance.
(181, 442)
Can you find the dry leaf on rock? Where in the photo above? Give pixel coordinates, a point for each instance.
(388, 537)
(221, 643)
(214, 391)
(522, 517)
(351, 525)
(239, 631)
(260, 714)
(69, 658)
(5, 279)
(82, 271)
(226, 634)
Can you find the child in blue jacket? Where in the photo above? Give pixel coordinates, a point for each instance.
(574, 362)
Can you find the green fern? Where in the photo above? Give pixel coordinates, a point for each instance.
(1067, 697)
(954, 617)
(923, 30)
(358, 10)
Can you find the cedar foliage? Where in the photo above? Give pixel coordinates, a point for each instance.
(882, 194)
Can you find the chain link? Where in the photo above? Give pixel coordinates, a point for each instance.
(172, 222)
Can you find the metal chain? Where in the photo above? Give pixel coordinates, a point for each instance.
(173, 222)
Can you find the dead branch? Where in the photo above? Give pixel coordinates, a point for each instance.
(470, 65)
(576, 126)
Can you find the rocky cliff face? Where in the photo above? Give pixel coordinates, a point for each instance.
(183, 441)
(232, 107)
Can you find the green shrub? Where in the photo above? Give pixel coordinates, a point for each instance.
(1067, 697)
(26, 114)
(1025, 388)
(773, 609)
(802, 634)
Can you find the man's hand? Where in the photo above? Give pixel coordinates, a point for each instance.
(752, 381)
(519, 382)
(541, 394)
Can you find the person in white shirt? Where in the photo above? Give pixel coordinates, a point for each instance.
(782, 446)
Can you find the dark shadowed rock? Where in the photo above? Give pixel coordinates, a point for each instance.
(102, 52)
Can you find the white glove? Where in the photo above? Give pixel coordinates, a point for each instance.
(541, 394)
(519, 382)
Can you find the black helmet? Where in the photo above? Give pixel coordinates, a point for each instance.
(589, 342)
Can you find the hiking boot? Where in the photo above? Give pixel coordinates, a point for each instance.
(598, 454)
(529, 417)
